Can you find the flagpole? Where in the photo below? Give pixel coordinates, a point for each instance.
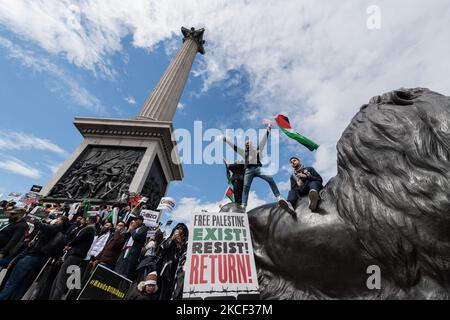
(225, 193)
(160, 214)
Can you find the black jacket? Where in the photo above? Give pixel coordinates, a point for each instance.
(127, 266)
(72, 231)
(170, 255)
(82, 242)
(139, 237)
(45, 234)
(314, 176)
(12, 236)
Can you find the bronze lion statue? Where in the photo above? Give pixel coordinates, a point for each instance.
(388, 206)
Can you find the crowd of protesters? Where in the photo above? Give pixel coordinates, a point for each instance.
(38, 253)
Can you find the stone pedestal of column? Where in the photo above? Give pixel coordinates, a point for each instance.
(117, 155)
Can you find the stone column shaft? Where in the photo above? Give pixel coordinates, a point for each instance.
(162, 103)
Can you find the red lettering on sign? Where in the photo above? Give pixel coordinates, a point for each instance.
(203, 266)
(213, 268)
(222, 269)
(241, 269)
(231, 269)
(193, 279)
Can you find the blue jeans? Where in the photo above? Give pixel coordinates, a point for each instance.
(21, 276)
(251, 173)
(5, 262)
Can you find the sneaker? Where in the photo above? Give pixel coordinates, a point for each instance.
(286, 205)
(313, 200)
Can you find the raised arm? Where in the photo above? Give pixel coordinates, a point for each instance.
(263, 142)
(235, 147)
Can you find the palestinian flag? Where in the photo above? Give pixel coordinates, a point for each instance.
(134, 199)
(230, 194)
(228, 172)
(285, 126)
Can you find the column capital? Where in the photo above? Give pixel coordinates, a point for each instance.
(196, 35)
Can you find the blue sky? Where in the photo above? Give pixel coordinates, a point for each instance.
(36, 105)
(316, 63)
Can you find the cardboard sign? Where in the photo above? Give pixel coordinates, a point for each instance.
(105, 284)
(220, 262)
(150, 220)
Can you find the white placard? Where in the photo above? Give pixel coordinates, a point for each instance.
(166, 203)
(150, 220)
(220, 260)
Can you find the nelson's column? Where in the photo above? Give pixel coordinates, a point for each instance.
(130, 155)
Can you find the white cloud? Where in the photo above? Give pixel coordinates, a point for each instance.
(130, 100)
(54, 167)
(284, 186)
(62, 84)
(314, 61)
(186, 206)
(180, 106)
(17, 166)
(12, 140)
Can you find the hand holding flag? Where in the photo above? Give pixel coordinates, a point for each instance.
(269, 123)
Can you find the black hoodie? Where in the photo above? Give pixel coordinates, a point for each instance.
(170, 254)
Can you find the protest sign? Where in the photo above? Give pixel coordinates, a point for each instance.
(115, 216)
(14, 196)
(166, 203)
(105, 284)
(74, 208)
(36, 188)
(220, 262)
(150, 220)
(32, 198)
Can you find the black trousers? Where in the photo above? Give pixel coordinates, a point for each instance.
(238, 187)
(59, 287)
(296, 193)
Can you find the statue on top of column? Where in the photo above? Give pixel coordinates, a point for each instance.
(196, 35)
